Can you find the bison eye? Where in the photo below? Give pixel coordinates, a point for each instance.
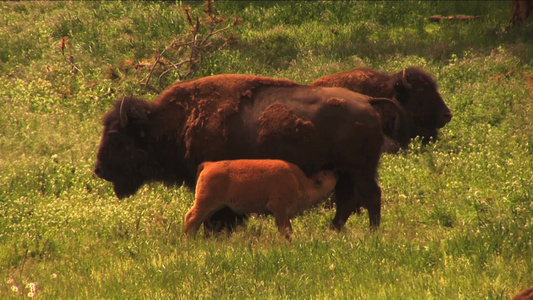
(115, 140)
(318, 181)
(119, 144)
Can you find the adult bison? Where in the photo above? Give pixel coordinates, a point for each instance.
(414, 89)
(227, 117)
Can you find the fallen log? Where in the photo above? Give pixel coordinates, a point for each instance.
(439, 18)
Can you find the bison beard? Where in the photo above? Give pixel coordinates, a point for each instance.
(126, 188)
(229, 117)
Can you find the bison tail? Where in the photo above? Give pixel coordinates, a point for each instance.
(200, 169)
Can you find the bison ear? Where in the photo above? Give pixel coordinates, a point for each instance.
(402, 87)
(405, 80)
(133, 111)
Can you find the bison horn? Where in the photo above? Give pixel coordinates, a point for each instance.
(405, 83)
(123, 115)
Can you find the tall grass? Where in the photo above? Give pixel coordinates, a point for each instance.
(456, 214)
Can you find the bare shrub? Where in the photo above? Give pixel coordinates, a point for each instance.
(185, 54)
(64, 44)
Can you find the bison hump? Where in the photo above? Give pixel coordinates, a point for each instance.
(336, 102)
(206, 104)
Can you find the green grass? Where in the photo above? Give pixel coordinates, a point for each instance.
(456, 214)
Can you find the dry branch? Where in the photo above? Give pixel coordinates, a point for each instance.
(185, 54)
(65, 44)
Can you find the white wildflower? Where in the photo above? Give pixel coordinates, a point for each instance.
(32, 287)
(15, 289)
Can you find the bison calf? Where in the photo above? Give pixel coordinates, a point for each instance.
(257, 186)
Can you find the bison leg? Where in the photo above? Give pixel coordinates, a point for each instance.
(281, 216)
(370, 194)
(224, 220)
(284, 225)
(345, 200)
(192, 221)
(352, 192)
(198, 214)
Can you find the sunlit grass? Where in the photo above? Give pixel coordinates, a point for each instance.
(456, 214)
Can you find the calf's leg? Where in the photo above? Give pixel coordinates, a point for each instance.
(281, 216)
(192, 221)
(284, 225)
(224, 220)
(198, 214)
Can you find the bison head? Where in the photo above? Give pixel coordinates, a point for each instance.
(417, 92)
(122, 156)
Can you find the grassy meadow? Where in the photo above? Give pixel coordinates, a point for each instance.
(457, 218)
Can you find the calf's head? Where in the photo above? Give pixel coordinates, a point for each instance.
(122, 155)
(417, 92)
(324, 182)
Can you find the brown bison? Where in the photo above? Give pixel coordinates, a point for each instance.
(227, 117)
(526, 294)
(257, 186)
(414, 89)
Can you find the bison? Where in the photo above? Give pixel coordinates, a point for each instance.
(257, 186)
(226, 117)
(526, 294)
(414, 89)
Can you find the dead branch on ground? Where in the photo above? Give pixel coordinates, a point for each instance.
(439, 18)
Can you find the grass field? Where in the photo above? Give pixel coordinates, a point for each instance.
(457, 214)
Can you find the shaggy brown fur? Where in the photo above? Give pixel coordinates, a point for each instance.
(208, 102)
(279, 122)
(257, 186)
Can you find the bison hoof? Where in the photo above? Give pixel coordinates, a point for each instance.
(335, 227)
